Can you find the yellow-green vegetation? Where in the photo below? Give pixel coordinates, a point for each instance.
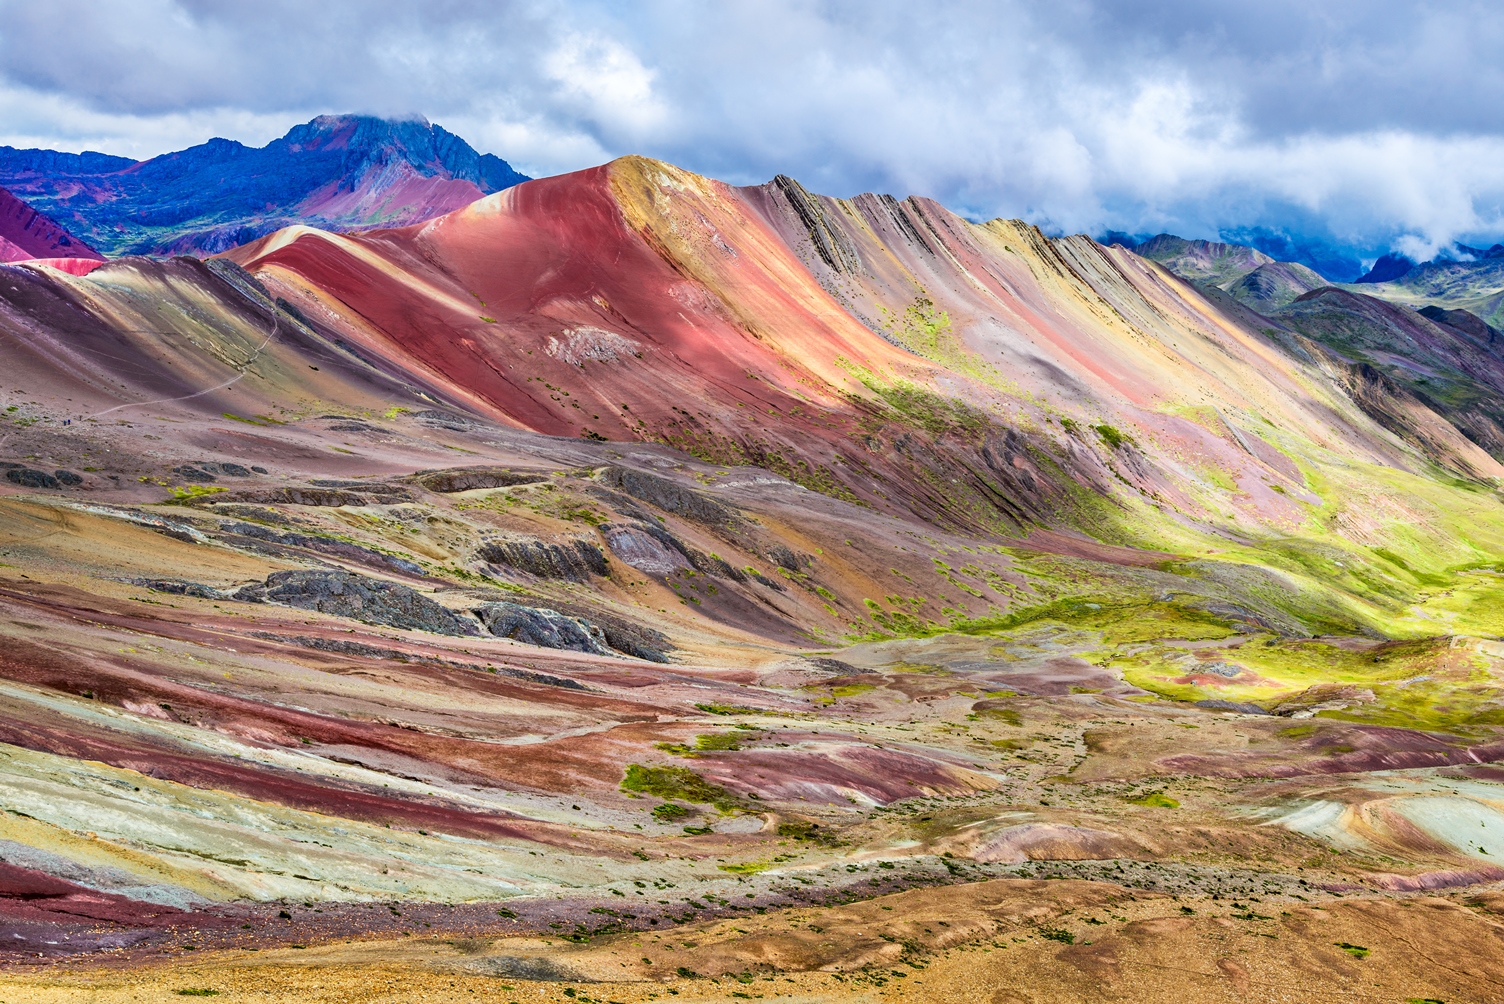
(1156, 799)
(1111, 436)
(1435, 683)
(727, 710)
(187, 493)
(670, 812)
(705, 742)
(678, 783)
(929, 411)
(1471, 603)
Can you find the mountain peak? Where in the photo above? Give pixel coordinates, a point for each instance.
(337, 172)
(1392, 266)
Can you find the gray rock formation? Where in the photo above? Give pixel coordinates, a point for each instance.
(575, 560)
(644, 551)
(345, 594)
(543, 627)
(464, 479)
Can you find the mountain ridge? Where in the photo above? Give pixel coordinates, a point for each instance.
(339, 172)
(1247, 274)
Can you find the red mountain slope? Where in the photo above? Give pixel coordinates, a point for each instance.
(871, 349)
(26, 233)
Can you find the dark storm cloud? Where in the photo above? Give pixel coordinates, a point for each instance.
(1378, 122)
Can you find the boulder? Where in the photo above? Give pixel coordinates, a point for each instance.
(26, 477)
(542, 627)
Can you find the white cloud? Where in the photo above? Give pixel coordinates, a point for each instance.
(58, 122)
(606, 83)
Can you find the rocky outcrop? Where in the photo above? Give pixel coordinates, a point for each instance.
(28, 477)
(315, 496)
(829, 242)
(323, 545)
(543, 627)
(670, 497)
(653, 550)
(464, 479)
(182, 587)
(574, 560)
(345, 594)
(644, 551)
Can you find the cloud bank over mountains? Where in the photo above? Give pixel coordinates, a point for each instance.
(1373, 125)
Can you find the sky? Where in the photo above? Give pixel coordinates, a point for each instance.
(1374, 125)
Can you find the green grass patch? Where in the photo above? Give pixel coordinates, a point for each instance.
(1432, 683)
(730, 709)
(670, 812)
(1155, 799)
(704, 742)
(1001, 715)
(188, 493)
(677, 783)
(1111, 436)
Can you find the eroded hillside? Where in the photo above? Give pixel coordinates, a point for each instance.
(628, 553)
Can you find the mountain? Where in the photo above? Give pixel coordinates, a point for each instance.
(1249, 275)
(340, 172)
(1450, 360)
(1494, 251)
(626, 539)
(1202, 261)
(1334, 261)
(1388, 268)
(26, 233)
(1474, 286)
(1274, 284)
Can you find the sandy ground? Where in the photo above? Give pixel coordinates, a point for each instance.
(1007, 941)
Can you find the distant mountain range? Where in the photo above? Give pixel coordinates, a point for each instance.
(1445, 352)
(1472, 280)
(337, 172)
(1249, 275)
(1334, 262)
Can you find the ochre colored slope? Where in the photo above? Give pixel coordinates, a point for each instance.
(875, 350)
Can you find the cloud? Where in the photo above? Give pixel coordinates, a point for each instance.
(607, 84)
(1373, 123)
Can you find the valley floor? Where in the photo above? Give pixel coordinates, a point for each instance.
(1001, 941)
